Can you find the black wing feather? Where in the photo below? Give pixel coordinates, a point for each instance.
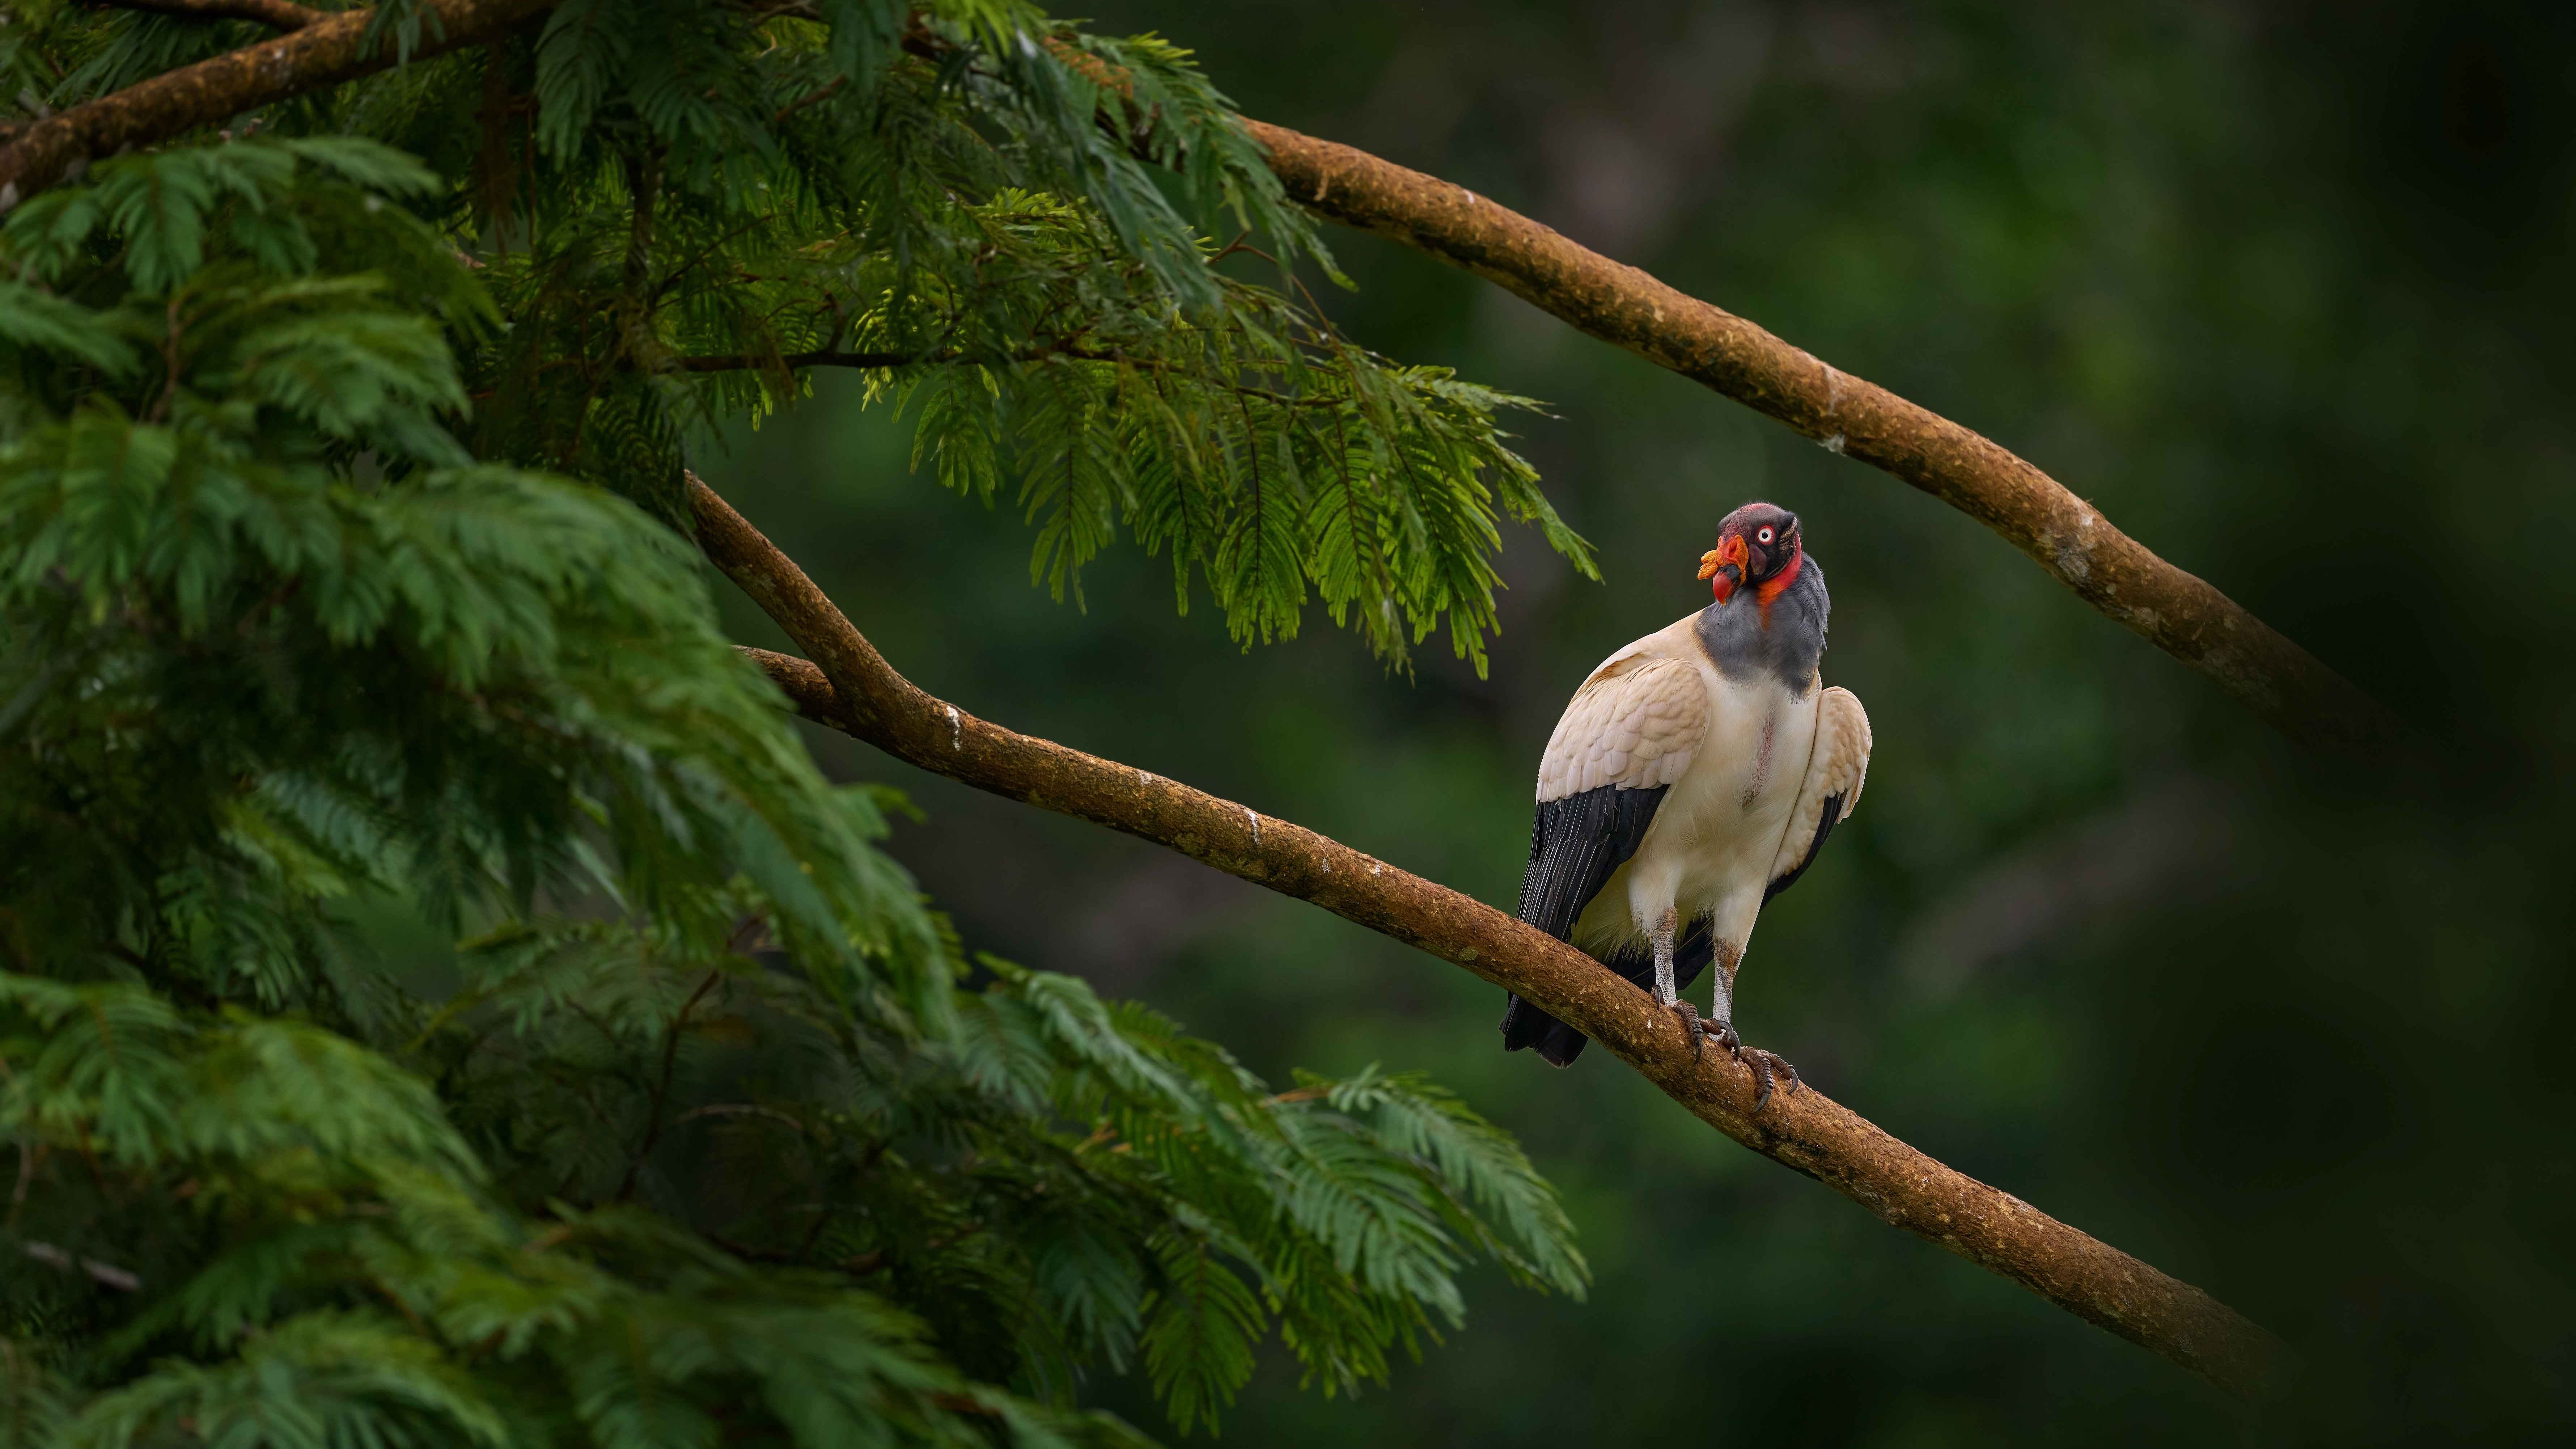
(1833, 816)
(1578, 843)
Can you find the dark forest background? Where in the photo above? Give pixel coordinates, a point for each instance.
(2284, 289)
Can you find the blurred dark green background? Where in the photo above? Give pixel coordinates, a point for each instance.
(2282, 288)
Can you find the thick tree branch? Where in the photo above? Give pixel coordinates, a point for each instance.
(321, 54)
(2171, 609)
(850, 687)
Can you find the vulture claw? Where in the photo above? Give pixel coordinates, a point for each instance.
(1764, 1065)
(1768, 1068)
(1692, 1026)
(1724, 1031)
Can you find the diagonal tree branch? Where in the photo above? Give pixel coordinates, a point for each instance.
(850, 687)
(2173, 610)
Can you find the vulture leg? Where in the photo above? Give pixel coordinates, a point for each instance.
(1723, 1028)
(1665, 992)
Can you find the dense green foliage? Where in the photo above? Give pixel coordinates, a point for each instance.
(341, 586)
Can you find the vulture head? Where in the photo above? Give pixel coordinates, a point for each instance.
(1757, 544)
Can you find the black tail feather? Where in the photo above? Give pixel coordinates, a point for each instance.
(1525, 1025)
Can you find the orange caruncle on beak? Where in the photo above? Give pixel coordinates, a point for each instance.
(1729, 554)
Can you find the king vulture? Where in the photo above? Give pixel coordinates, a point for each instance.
(1694, 776)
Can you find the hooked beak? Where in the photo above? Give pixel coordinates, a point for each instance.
(1725, 564)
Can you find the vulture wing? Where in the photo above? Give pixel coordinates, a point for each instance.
(1629, 733)
(1836, 770)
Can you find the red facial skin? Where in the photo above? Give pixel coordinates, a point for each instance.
(1727, 565)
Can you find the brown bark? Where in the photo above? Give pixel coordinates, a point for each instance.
(850, 687)
(174, 102)
(2173, 610)
(284, 14)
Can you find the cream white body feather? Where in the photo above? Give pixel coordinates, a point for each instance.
(1751, 762)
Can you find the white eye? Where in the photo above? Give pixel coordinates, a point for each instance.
(1764, 535)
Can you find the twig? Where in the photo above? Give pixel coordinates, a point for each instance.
(746, 362)
(850, 687)
(739, 1109)
(829, 89)
(106, 1274)
(653, 1124)
(283, 14)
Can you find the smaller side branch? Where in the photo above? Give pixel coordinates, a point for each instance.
(283, 14)
(322, 53)
(850, 687)
(1043, 352)
(814, 97)
(1245, 393)
(754, 362)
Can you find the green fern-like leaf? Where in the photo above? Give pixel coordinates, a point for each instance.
(440, 999)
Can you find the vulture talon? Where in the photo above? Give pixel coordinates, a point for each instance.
(1692, 1027)
(1724, 1031)
(1764, 1065)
